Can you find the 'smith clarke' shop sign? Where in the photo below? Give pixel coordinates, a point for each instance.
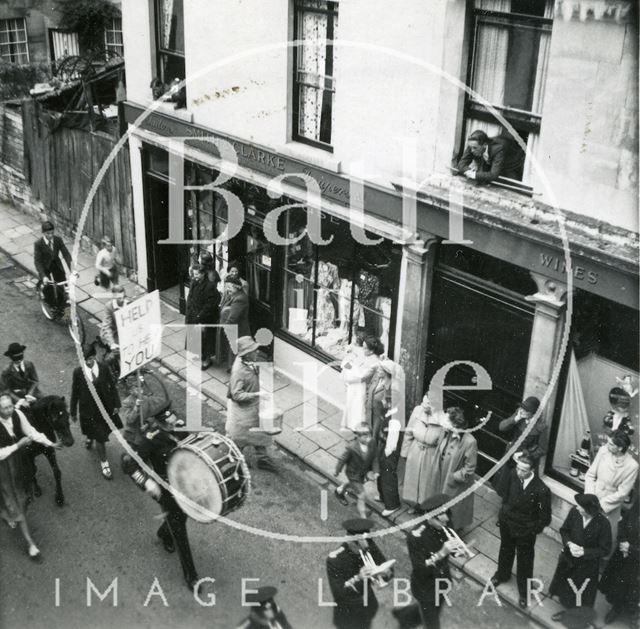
(527, 249)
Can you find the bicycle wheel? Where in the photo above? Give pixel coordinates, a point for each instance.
(153, 385)
(80, 335)
(47, 310)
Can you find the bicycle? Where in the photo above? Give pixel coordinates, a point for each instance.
(151, 384)
(63, 314)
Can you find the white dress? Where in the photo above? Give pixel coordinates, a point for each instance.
(356, 367)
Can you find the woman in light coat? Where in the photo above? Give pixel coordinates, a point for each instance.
(420, 447)
(458, 454)
(611, 477)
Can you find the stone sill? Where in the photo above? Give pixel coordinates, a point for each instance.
(515, 212)
(310, 154)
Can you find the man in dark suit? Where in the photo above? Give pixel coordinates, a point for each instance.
(92, 423)
(525, 512)
(202, 308)
(485, 159)
(20, 379)
(46, 257)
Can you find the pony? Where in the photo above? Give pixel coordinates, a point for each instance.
(50, 416)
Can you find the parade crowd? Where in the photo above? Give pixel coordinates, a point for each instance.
(426, 463)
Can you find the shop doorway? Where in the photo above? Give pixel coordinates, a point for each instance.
(475, 320)
(164, 262)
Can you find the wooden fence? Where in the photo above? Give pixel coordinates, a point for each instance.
(62, 164)
(11, 142)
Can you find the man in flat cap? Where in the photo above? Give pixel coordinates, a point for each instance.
(350, 570)
(20, 379)
(48, 253)
(429, 549)
(265, 613)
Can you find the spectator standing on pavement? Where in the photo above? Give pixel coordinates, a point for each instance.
(386, 431)
(419, 446)
(534, 444)
(233, 311)
(525, 512)
(48, 253)
(15, 434)
(209, 335)
(357, 461)
(586, 539)
(373, 350)
(620, 581)
(202, 308)
(109, 327)
(611, 477)
(20, 379)
(233, 271)
(458, 455)
(93, 425)
(107, 264)
(243, 407)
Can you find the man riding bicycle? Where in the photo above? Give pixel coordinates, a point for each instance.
(48, 254)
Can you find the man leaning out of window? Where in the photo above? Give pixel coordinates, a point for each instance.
(485, 159)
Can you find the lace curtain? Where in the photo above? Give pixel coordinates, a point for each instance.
(315, 91)
(172, 25)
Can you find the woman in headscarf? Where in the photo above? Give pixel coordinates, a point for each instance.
(458, 454)
(420, 447)
(586, 539)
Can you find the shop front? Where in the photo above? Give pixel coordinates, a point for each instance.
(315, 297)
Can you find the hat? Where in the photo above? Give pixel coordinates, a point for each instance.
(233, 280)
(206, 259)
(88, 351)
(531, 404)
(246, 345)
(388, 366)
(47, 226)
(15, 350)
(434, 502)
(356, 526)
(578, 617)
(262, 595)
(589, 502)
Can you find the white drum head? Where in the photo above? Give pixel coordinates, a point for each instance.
(192, 477)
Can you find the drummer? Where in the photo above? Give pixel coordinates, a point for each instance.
(265, 613)
(153, 440)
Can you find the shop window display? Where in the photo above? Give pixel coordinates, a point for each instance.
(334, 290)
(599, 393)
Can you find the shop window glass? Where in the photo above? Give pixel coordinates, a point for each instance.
(334, 291)
(509, 61)
(596, 394)
(316, 24)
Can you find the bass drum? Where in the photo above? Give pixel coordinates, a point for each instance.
(210, 470)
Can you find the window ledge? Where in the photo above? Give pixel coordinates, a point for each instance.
(168, 109)
(311, 155)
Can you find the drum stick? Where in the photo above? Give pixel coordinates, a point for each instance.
(139, 378)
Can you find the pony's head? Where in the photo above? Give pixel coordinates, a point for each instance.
(58, 415)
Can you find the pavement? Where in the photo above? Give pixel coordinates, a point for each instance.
(317, 448)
